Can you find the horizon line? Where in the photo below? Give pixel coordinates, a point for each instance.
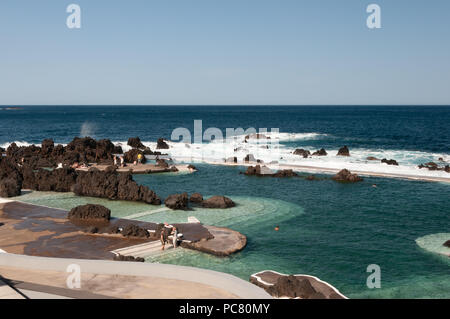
(204, 105)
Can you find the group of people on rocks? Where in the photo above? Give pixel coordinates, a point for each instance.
(119, 159)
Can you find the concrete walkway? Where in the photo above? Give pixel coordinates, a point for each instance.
(130, 279)
(6, 292)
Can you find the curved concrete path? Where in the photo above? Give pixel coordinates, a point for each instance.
(222, 284)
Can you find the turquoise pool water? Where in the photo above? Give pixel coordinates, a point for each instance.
(330, 230)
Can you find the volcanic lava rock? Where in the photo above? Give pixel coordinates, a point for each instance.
(302, 152)
(10, 170)
(192, 167)
(56, 180)
(132, 156)
(447, 243)
(135, 142)
(128, 258)
(343, 151)
(253, 170)
(88, 150)
(346, 176)
(231, 160)
(218, 202)
(320, 152)
(432, 166)
(47, 147)
(285, 173)
(135, 231)
(10, 187)
(90, 212)
(117, 149)
(293, 287)
(161, 144)
(113, 185)
(389, 162)
(196, 198)
(177, 201)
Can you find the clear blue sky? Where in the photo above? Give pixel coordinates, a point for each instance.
(224, 52)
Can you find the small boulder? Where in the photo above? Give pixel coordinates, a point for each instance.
(135, 142)
(218, 202)
(371, 158)
(320, 152)
(343, 151)
(90, 212)
(447, 243)
(177, 201)
(346, 176)
(135, 231)
(161, 144)
(302, 152)
(389, 162)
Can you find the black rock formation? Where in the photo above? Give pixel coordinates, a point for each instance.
(389, 162)
(320, 152)
(218, 202)
(302, 152)
(90, 212)
(343, 151)
(161, 144)
(346, 176)
(135, 231)
(135, 142)
(177, 201)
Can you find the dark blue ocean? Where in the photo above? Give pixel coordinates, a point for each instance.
(330, 230)
(393, 127)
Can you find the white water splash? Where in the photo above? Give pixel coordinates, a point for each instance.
(87, 129)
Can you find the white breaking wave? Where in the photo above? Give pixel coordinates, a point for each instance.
(218, 152)
(270, 151)
(18, 143)
(87, 129)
